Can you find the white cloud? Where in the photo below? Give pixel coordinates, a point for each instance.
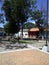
(32, 21)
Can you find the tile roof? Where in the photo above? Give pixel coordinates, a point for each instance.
(34, 29)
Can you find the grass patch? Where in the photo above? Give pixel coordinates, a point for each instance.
(26, 41)
(23, 41)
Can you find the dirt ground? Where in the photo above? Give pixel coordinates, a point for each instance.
(25, 57)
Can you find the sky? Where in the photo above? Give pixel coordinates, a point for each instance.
(41, 4)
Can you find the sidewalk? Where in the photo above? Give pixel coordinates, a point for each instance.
(24, 57)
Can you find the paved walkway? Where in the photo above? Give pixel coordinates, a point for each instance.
(25, 57)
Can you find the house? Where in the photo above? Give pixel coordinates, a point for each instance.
(25, 33)
(29, 33)
(33, 33)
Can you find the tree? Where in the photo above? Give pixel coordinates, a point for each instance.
(11, 28)
(29, 25)
(1, 18)
(39, 19)
(18, 10)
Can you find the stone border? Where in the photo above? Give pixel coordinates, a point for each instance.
(15, 50)
(29, 48)
(38, 49)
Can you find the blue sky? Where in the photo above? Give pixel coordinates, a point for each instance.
(41, 4)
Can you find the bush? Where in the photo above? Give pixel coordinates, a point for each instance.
(13, 40)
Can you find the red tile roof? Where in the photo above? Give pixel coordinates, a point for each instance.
(34, 29)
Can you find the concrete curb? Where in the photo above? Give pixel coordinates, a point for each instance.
(29, 48)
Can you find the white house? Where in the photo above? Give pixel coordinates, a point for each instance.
(25, 33)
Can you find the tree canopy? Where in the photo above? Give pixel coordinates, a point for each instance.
(39, 20)
(29, 25)
(1, 18)
(11, 28)
(18, 11)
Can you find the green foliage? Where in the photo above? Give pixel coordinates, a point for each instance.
(14, 10)
(29, 25)
(13, 40)
(27, 41)
(23, 41)
(1, 18)
(39, 18)
(17, 11)
(11, 28)
(37, 15)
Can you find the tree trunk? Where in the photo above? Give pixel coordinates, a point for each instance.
(22, 30)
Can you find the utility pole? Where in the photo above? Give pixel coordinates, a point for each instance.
(47, 25)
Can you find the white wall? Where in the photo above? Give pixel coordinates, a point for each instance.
(25, 34)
